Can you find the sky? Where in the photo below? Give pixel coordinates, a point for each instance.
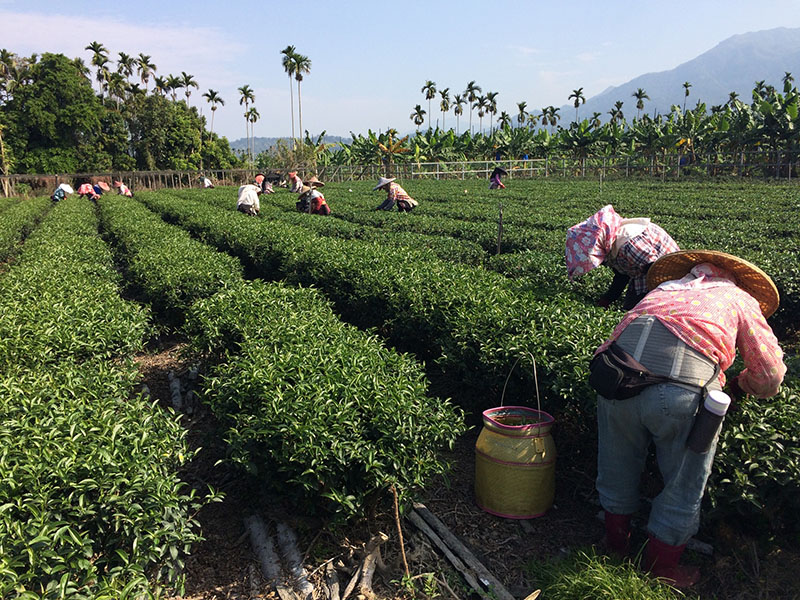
(369, 60)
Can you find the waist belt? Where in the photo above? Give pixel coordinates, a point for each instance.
(657, 348)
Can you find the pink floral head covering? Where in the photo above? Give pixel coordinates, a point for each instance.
(589, 242)
(85, 188)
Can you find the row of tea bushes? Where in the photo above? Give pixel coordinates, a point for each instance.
(168, 268)
(314, 405)
(280, 206)
(91, 503)
(17, 221)
(474, 323)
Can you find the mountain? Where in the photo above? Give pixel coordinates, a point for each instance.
(734, 65)
(265, 143)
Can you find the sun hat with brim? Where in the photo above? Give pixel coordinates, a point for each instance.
(67, 188)
(500, 170)
(103, 186)
(748, 276)
(382, 181)
(314, 182)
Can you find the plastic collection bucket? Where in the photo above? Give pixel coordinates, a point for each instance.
(515, 462)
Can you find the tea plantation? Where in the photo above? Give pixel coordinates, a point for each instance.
(324, 346)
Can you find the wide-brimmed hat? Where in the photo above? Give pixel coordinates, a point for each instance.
(382, 181)
(314, 182)
(500, 170)
(748, 276)
(292, 174)
(103, 186)
(67, 188)
(259, 178)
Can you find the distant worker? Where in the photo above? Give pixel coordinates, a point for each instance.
(263, 184)
(61, 192)
(311, 199)
(494, 179)
(395, 195)
(247, 202)
(295, 183)
(122, 189)
(627, 246)
(86, 190)
(101, 187)
(205, 182)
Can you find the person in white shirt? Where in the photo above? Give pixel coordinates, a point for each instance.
(248, 200)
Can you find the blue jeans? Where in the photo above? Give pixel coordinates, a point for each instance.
(663, 414)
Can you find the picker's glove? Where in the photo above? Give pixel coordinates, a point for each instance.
(735, 390)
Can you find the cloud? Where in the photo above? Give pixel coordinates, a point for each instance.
(202, 51)
(525, 50)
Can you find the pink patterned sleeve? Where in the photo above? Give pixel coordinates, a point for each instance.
(763, 358)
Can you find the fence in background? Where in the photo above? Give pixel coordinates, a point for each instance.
(756, 165)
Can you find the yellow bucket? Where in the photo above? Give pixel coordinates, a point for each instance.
(515, 462)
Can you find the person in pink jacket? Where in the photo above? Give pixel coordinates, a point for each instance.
(703, 307)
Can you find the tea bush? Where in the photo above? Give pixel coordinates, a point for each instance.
(17, 221)
(91, 503)
(170, 268)
(316, 405)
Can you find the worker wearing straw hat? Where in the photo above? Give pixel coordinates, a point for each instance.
(88, 191)
(311, 199)
(122, 189)
(494, 179)
(704, 305)
(394, 195)
(61, 192)
(627, 246)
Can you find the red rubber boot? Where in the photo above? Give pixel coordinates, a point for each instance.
(618, 534)
(662, 561)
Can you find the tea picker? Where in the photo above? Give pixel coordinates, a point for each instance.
(627, 246)
(659, 379)
(394, 195)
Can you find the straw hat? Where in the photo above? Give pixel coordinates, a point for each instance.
(382, 181)
(748, 276)
(259, 178)
(67, 188)
(314, 182)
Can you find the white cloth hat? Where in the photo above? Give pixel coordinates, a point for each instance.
(67, 188)
(382, 181)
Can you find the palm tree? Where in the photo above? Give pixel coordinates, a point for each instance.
(481, 104)
(640, 96)
(174, 83)
(160, 85)
(247, 96)
(504, 120)
(145, 68)
(99, 59)
(125, 65)
(103, 73)
(686, 86)
(252, 116)
(616, 112)
(302, 65)
(732, 97)
(188, 82)
(418, 116)
(288, 66)
(491, 107)
(523, 114)
(116, 86)
(458, 103)
(788, 80)
(471, 94)
(579, 99)
(430, 92)
(595, 120)
(445, 103)
(213, 98)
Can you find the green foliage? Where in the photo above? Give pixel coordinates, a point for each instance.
(756, 476)
(316, 405)
(169, 268)
(92, 506)
(585, 574)
(18, 221)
